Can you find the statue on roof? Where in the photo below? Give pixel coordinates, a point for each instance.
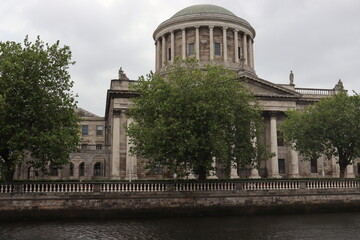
(291, 77)
(339, 86)
(122, 75)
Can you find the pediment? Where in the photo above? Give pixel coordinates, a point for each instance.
(262, 88)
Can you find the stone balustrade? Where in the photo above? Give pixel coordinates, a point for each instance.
(105, 187)
(312, 91)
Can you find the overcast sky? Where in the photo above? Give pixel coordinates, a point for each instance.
(318, 39)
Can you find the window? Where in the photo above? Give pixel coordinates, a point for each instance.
(98, 146)
(53, 170)
(313, 163)
(191, 49)
(98, 169)
(81, 169)
(85, 130)
(71, 170)
(169, 54)
(84, 146)
(217, 49)
(281, 166)
(239, 52)
(280, 138)
(99, 130)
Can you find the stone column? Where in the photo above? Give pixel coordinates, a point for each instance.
(335, 167)
(197, 43)
(350, 171)
(294, 163)
(245, 53)
(233, 172)
(158, 64)
(254, 174)
(274, 171)
(183, 46)
(115, 159)
(212, 173)
(236, 45)
(163, 53)
(225, 44)
(131, 161)
(172, 46)
(252, 53)
(211, 36)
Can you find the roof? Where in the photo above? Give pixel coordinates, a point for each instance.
(203, 9)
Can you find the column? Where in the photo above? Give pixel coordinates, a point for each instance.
(350, 171)
(115, 159)
(245, 53)
(157, 44)
(250, 54)
(254, 174)
(211, 36)
(163, 53)
(183, 43)
(274, 171)
(172, 46)
(233, 172)
(212, 173)
(294, 163)
(236, 45)
(335, 167)
(131, 160)
(225, 44)
(197, 43)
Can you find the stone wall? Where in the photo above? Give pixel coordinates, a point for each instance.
(96, 204)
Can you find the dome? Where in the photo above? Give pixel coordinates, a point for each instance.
(203, 9)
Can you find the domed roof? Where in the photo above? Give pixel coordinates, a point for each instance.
(203, 8)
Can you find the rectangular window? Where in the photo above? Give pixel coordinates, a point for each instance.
(84, 146)
(191, 49)
(239, 52)
(217, 49)
(280, 138)
(314, 166)
(169, 54)
(98, 146)
(85, 130)
(99, 130)
(281, 166)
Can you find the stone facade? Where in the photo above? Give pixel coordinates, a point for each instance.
(213, 35)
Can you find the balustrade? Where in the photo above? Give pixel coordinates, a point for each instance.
(256, 185)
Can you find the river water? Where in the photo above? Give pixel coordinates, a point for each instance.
(297, 226)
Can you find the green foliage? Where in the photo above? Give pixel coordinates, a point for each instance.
(37, 108)
(193, 115)
(330, 127)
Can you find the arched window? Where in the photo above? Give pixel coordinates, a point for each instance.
(81, 169)
(53, 169)
(71, 170)
(98, 169)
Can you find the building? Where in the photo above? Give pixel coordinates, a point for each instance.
(212, 34)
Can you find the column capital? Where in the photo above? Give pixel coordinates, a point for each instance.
(197, 26)
(224, 28)
(273, 114)
(183, 28)
(236, 30)
(211, 26)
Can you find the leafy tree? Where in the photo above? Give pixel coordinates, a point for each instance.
(330, 127)
(37, 109)
(185, 119)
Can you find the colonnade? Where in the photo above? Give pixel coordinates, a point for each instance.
(246, 54)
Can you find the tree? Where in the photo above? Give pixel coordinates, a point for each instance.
(37, 108)
(193, 115)
(330, 127)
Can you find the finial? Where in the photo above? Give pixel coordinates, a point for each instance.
(291, 77)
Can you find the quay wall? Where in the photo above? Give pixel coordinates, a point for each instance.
(127, 200)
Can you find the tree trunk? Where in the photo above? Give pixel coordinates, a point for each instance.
(342, 170)
(202, 174)
(8, 173)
